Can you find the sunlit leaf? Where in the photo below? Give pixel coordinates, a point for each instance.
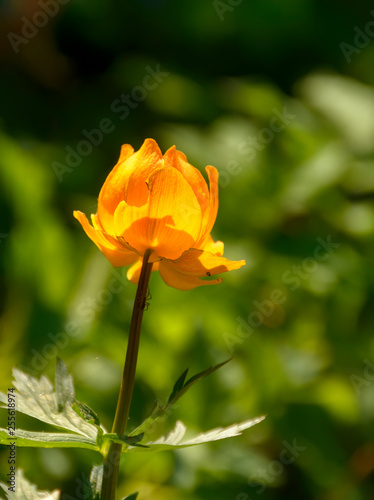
(27, 491)
(175, 438)
(96, 479)
(64, 385)
(48, 440)
(37, 399)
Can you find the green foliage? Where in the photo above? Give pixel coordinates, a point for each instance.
(61, 410)
(27, 491)
(49, 440)
(174, 439)
(64, 386)
(96, 478)
(180, 388)
(308, 363)
(37, 399)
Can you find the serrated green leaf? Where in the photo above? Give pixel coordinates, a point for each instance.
(180, 388)
(175, 396)
(85, 489)
(157, 411)
(37, 399)
(86, 412)
(96, 479)
(48, 440)
(130, 441)
(64, 386)
(24, 490)
(174, 439)
(135, 439)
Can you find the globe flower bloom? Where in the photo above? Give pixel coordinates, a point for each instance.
(161, 203)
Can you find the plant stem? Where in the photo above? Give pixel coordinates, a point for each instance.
(113, 455)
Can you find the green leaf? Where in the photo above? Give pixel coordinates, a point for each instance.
(180, 388)
(96, 479)
(85, 489)
(27, 491)
(86, 412)
(134, 440)
(133, 496)
(174, 439)
(130, 441)
(48, 440)
(64, 386)
(37, 399)
(158, 410)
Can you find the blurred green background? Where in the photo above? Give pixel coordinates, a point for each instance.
(279, 96)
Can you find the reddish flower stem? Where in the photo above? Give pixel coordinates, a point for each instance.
(113, 455)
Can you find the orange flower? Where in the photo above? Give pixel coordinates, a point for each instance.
(162, 203)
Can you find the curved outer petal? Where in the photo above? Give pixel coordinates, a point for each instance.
(115, 240)
(127, 181)
(117, 255)
(168, 223)
(176, 159)
(185, 273)
(210, 214)
(209, 245)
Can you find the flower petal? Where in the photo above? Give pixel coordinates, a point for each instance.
(182, 281)
(213, 197)
(133, 274)
(112, 191)
(209, 245)
(200, 263)
(176, 159)
(141, 165)
(185, 272)
(168, 223)
(127, 180)
(210, 214)
(117, 255)
(172, 277)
